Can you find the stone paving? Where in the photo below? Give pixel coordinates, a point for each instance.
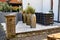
(36, 37)
(2, 33)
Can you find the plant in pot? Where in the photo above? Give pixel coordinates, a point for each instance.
(33, 19)
(28, 15)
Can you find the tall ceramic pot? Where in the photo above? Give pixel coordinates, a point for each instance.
(28, 20)
(33, 21)
(24, 17)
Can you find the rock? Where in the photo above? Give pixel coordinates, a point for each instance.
(2, 33)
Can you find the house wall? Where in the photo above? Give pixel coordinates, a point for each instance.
(37, 4)
(46, 5)
(55, 9)
(59, 10)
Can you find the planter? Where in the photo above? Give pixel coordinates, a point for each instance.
(24, 18)
(28, 20)
(33, 21)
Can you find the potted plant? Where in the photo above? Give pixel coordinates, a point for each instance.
(33, 19)
(28, 15)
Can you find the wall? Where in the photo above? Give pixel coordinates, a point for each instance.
(46, 5)
(59, 10)
(24, 2)
(55, 9)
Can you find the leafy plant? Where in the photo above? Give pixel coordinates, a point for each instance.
(1, 7)
(4, 6)
(30, 10)
(20, 8)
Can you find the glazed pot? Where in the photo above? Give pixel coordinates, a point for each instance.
(24, 18)
(28, 20)
(33, 21)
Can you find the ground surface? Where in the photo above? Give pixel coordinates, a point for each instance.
(22, 28)
(2, 33)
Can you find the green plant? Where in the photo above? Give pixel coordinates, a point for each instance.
(30, 10)
(4, 6)
(1, 7)
(20, 8)
(10, 8)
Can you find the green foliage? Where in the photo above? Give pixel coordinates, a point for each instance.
(1, 7)
(30, 10)
(20, 8)
(4, 6)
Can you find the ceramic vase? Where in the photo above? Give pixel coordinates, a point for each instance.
(33, 21)
(24, 18)
(28, 20)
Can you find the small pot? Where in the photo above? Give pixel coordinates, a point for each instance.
(24, 18)
(28, 20)
(33, 21)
